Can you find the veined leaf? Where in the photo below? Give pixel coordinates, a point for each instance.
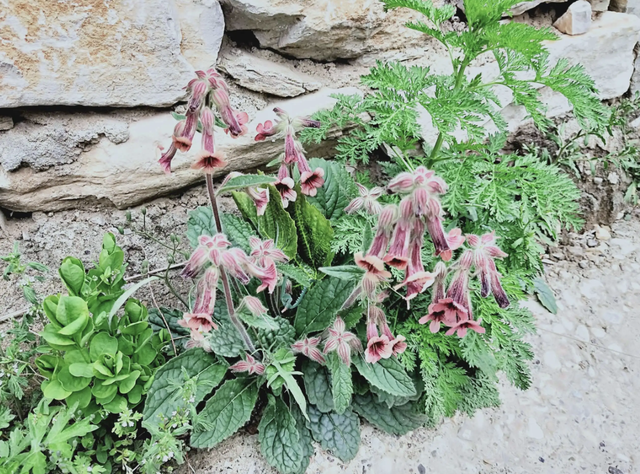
(398, 420)
(344, 272)
(545, 295)
(319, 306)
(317, 384)
(387, 375)
(341, 383)
(297, 274)
(226, 412)
(166, 393)
(306, 441)
(314, 232)
(246, 181)
(279, 438)
(339, 434)
(128, 294)
(337, 191)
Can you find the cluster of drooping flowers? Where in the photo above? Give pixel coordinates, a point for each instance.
(214, 254)
(287, 127)
(398, 242)
(206, 92)
(453, 308)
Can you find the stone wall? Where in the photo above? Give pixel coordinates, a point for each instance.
(86, 87)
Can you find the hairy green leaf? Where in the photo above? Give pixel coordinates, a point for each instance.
(225, 413)
(338, 434)
(314, 232)
(398, 420)
(246, 181)
(341, 383)
(317, 384)
(545, 295)
(321, 304)
(279, 438)
(337, 191)
(387, 375)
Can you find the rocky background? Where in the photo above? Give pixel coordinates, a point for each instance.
(86, 89)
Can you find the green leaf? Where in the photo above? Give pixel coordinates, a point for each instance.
(71, 308)
(81, 369)
(246, 206)
(128, 294)
(314, 232)
(70, 382)
(337, 191)
(297, 274)
(225, 340)
(306, 441)
(77, 325)
(339, 434)
(72, 273)
(102, 343)
(50, 334)
(200, 222)
(226, 412)
(387, 375)
(246, 181)
(166, 393)
(30, 294)
(545, 295)
(237, 231)
(317, 384)
(55, 390)
(344, 272)
(320, 305)
(127, 384)
(341, 382)
(398, 420)
(277, 224)
(279, 438)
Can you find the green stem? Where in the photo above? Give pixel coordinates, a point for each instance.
(458, 83)
(223, 275)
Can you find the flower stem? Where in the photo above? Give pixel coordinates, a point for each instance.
(223, 275)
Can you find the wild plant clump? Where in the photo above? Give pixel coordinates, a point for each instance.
(325, 298)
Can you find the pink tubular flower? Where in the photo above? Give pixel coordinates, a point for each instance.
(268, 276)
(196, 262)
(416, 279)
(309, 347)
(461, 328)
(208, 162)
(236, 262)
(197, 89)
(254, 305)
(436, 231)
(455, 239)
(386, 222)
(368, 200)
(285, 185)
(341, 341)
(265, 130)
(167, 157)
(398, 344)
(265, 251)
(484, 253)
(378, 347)
(250, 365)
(310, 181)
(260, 197)
(398, 254)
(199, 321)
(234, 119)
(445, 311)
(185, 140)
(374, 275)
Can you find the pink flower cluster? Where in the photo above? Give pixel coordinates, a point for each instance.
(336, 339)
(207, 91)
(287, 127)
(214, 253)
(453, 308)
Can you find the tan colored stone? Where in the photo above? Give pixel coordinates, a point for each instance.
(576, 20)
(128, 173)
(98, 53)
(323, 30)
(261, 75)
(599, 5)
(6, 123)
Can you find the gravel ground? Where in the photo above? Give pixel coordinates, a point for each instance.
(580, 415)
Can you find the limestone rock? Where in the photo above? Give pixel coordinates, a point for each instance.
(522, 7)
(6, 123)
(261, 75)
(127, 173)
(576, 20)
(104, 53)
(625, 6)
(599, 5)
(325, 30)
(606, 51)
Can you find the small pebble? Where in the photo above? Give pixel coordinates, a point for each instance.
(592, 243)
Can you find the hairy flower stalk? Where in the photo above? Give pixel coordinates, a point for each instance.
(286, 127)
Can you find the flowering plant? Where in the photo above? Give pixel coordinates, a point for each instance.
(287, 318)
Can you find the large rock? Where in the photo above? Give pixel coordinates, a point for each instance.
(261, 75)
(128, 173)
(576, 20)
(626, 6)
(323, 30)
(606, 51)
(98, 53)
(520, 8)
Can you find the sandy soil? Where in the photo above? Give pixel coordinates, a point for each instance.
(580, 415)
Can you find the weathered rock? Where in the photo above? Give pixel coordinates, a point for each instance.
(261, 75)
(104, 53)
(576, 20)
(6, 123)
(625, 6)
(522, 7)
(43, 140)
(324, 31)
(605, 51)
(599, 5)
(128, 173)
